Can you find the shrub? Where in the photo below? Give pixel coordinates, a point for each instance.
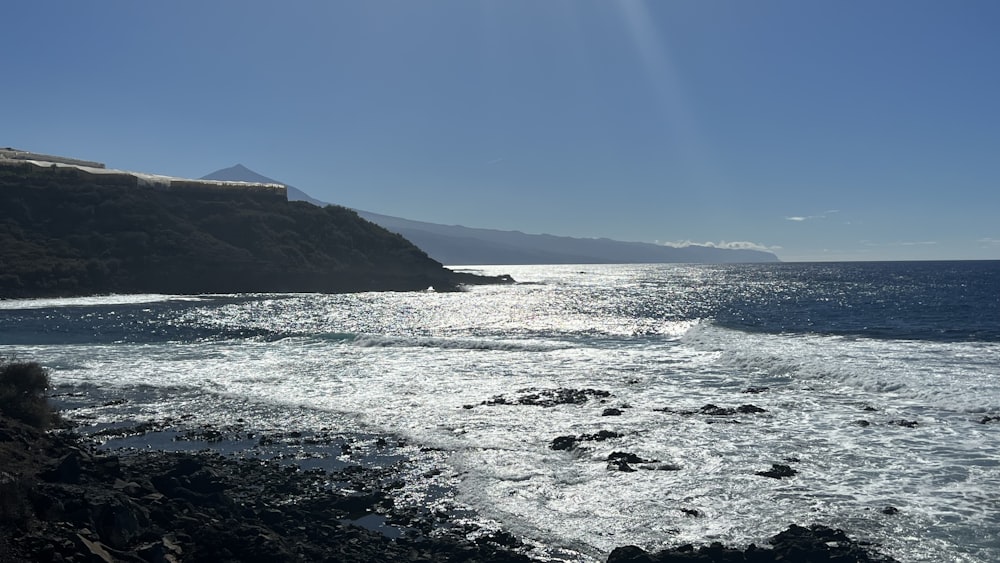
(22, 393)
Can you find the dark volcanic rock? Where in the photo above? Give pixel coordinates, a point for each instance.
(623, 461)
(611, 412)
(755, 390)
(778, 471)
(570, 442)
(796, 544)
(628, 458)
(563, 443)
(905, 423)
(600, 436)
(659, 466)
(987, 419)
(550, 397)
(715, 410)
(166, 507)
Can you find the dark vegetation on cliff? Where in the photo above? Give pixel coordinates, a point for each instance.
(63, 233)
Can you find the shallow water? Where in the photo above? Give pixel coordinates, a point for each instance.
(918, 343)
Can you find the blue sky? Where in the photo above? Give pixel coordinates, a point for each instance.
(843, 130)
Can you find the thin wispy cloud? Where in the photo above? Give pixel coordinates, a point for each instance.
(728, 245)
(823, 215)
(900, 243)
(989, 241)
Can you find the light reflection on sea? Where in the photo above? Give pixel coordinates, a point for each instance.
(421, 365)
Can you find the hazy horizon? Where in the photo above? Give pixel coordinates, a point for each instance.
(847, 131)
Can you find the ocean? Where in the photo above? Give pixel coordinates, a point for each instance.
(876, 383)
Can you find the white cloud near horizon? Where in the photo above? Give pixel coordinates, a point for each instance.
(900, 243)
(727, 245)
(823, 215)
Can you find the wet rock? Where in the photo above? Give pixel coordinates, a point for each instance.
(755, 390)
(619, 465)
(623, 461)
(715, 410)
(694, 513)
(987, 419)
(360, 503)
(820, 543)
(629, 554)
(563, 443)
(571, 442)
(611, 412)
(501, 538)
(657, 466)
(550, 397)
(796, 544)
(599, 436)
(890, 510)
(778, 471)
(862, 423)
(905, 423)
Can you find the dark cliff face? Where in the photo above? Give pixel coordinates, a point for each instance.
(63, 234)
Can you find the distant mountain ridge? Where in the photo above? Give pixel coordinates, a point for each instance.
(458, 245)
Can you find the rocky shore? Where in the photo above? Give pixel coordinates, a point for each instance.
(220, 493)
(63, 500)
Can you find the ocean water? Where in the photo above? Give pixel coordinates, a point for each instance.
(877, 377)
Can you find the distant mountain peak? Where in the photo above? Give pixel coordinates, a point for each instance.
(240, 173)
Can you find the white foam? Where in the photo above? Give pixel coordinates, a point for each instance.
(409, 371)
(377, 341)
(91, 301)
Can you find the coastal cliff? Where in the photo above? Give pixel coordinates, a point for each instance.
(64, 232)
